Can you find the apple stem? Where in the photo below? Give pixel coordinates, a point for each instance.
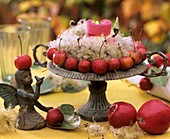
(105, 41)
(78, 39)
(59, 43)
(120, 49)
(20, 43)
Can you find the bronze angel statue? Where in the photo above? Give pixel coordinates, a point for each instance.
(24, 96)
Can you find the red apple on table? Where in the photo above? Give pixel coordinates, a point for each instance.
(84, 66)
(154, 116)
(99, 66)
(121, 114)
(23, 62)
(59, 58)
(136, 56)
(54, 117)
(145, 84)
(71, 63)
(50, 52)
(126, 62)
(113, 64)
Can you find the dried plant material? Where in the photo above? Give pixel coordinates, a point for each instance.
(7, 119)
(95, 130)
(128, 132)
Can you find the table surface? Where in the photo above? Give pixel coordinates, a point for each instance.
(117, 90)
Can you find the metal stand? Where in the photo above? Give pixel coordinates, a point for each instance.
(97, 106)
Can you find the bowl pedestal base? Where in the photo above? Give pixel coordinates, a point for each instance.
(97, 106)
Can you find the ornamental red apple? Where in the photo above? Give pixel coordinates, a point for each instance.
(50, 52)
(158, 61)
(121, 114)
(154, 116)
(143, 52)
(84, 66)
(23, 62)
(145, 84)
(54, 117)
(59, 58)
(71, 63)
(139, 44)
(136, 56)
(126, 62)
(99, 66)
(113, 64)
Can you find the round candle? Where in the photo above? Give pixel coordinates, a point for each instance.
(98, 29)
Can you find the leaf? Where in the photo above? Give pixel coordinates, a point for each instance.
(71, 121)
(67, 109)
(160, 80)
(66, 126)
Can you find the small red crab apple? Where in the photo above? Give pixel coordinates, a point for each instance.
(121, 114)
(71, 63)
(59, 58)
(136, 56)
(84, 66)
(139, 44)
(158, 61)
(126, 62)
(23, 62)
(154, 116)
(99, 66)
(54, 117)
(113, 64)
(50, 52)
(143, 52)
(145, 84)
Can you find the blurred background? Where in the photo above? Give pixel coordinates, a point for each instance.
(146, 20)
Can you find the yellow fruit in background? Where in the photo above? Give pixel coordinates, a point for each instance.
(150, 9)
(165, 10)
(156, 30)
(130, 8)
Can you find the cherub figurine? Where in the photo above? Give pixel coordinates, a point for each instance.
(24, 96)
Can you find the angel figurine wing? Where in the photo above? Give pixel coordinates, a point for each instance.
(8, 93)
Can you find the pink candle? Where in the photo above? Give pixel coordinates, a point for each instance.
(98, 29)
